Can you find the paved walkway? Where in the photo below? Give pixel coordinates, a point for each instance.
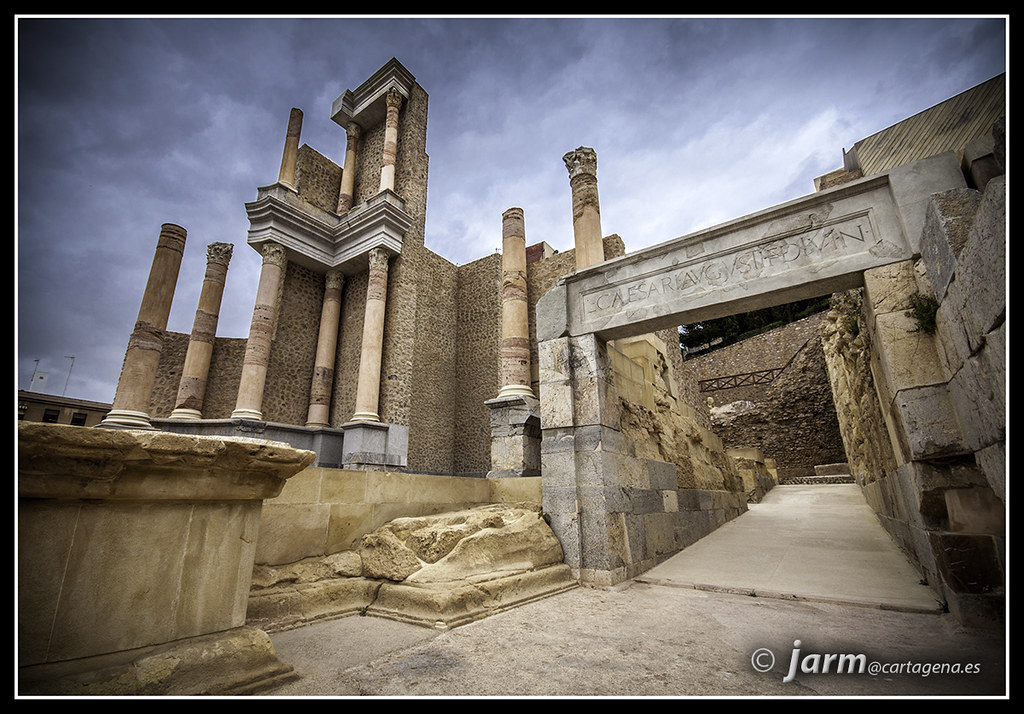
(809, 563)
(814, 542)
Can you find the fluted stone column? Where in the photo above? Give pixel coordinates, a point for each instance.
(515, 327)
(390, 153)
(249, 403)
(368, 387)
(348, 174)
(130, 408)
(586, 209)
(291, 148)
(192, 388)
(327, 344)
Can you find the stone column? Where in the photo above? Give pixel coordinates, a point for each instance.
(249, 403)
(368, 387)
(291, 148)
(390, 153)
(192, 388)
(515, 328)
(130, 408)
(586, 209)
(348, 174)
(327, 344)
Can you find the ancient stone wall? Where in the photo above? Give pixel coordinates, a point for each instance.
(792, 419)
(768, 350)
(477, 361)
(431, 404)
(919, 372)
(317, 179)
(290, 371)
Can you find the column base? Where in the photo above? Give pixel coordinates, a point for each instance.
(183, 414)
(126, 419)
(366, 416)
(516, 390)
(247, 414)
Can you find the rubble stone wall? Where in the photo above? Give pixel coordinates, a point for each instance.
(792, 419)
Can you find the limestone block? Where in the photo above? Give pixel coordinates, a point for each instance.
(912, 186)
(968, 563)
(992, 461)
(907, 355)
(949, 219)
(553, 359)
(519, 490)
(670, 501)
(975, 510)
(888, 287)
(303, 487)
(459, 545)
(928, 422)
(290, 532)
(980, 400)
(559, 469)
(982, 263)
(552, 314)
(348, 522)
(556, 404)
(343, 485)
(661, 474)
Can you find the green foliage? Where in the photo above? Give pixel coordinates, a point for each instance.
(922, 310)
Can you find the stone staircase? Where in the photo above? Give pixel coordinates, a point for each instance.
(823, 474)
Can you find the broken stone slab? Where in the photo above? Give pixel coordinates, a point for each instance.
(459, 545)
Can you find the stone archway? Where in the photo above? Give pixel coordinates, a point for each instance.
(617, 515)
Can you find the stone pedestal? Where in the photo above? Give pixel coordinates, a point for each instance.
(135, 556)
(375, 445)
(515, 436)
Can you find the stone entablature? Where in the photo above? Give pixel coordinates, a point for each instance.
(801, 249)
(320, 240)
(367, 104)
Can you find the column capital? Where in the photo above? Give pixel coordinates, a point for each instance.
(334, 279)
(353, 130)
(219, 253)
(582, 160)
(274, 253)
(378, 258)
(393, 98)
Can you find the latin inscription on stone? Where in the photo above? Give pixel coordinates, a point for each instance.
(806, 251)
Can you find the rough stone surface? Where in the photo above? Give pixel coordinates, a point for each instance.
(460, 545)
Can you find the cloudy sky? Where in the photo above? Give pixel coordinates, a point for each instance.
(123, 124)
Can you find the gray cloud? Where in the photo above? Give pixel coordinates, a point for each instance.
(124, 124)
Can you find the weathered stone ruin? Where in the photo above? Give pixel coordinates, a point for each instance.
(433, 443)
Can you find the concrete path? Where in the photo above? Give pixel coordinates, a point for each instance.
(816, 542)
(808, 564)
